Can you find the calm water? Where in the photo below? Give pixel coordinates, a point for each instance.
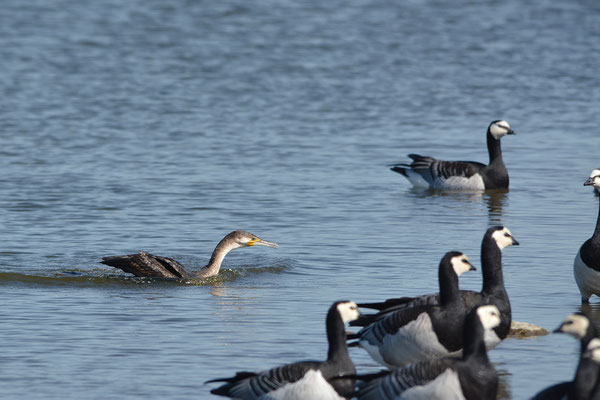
(162, 126)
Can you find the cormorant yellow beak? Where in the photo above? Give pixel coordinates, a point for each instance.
(260, 242)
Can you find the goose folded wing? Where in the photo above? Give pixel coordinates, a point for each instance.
(469, 298)
(248, 385)
(392, 384)
(432, 168)
(377, 331)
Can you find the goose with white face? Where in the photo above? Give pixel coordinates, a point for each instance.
(592, 351)
(489, 316)
(594, 179)
(348, 311)
(461, 264)
(575, 325)
(504, 238)
(499, 129)
(433, 173)
(586, 266)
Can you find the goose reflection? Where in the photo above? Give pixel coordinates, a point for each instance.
(494, 200)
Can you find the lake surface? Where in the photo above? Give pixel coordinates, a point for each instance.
(162, 126)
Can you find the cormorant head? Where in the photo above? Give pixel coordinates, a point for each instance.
(247, 239)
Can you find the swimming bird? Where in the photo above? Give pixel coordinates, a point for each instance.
(471, 377)
(586, 266)
(305, 379)
(424, 331)
(580, 327)
(461, 175)
(148, 265)
(493, 291)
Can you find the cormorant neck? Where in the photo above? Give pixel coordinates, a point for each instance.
(473, 342)
(449, 291)
(219, 253)
(491, 265)
(336, 336)
(494, 149)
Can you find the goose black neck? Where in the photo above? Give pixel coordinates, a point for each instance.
(473, 341)
(585, 379)
(336, 336)
(494, 148)
(491, 264)
(590, 333)
(596, 235)
(449, 291)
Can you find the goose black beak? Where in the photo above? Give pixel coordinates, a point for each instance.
(589, 182)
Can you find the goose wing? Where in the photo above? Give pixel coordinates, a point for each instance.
(249, 385)
(390, 323)
(390, 385)
(469, 298)
(145, 264)
(432, 168)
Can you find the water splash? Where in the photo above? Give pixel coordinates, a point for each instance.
(100, 277)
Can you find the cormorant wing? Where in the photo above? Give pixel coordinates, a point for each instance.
(145, 264)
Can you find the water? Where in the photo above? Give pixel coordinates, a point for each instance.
(162, 127)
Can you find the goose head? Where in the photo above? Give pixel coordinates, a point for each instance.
(592, 351)
(503, 237)
(594, 179)
(489, 315)
(500, 128)
(575, 325)
(348, 310)
(460, 263)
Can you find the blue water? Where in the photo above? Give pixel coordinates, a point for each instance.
(156, 126)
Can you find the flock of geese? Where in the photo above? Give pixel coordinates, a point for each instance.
(434, 346)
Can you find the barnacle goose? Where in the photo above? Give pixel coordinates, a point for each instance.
(580, 327)
(305, 379)
(493, 291)
(461, 175)
(424, 331)
(469, 377)
(586, 267)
